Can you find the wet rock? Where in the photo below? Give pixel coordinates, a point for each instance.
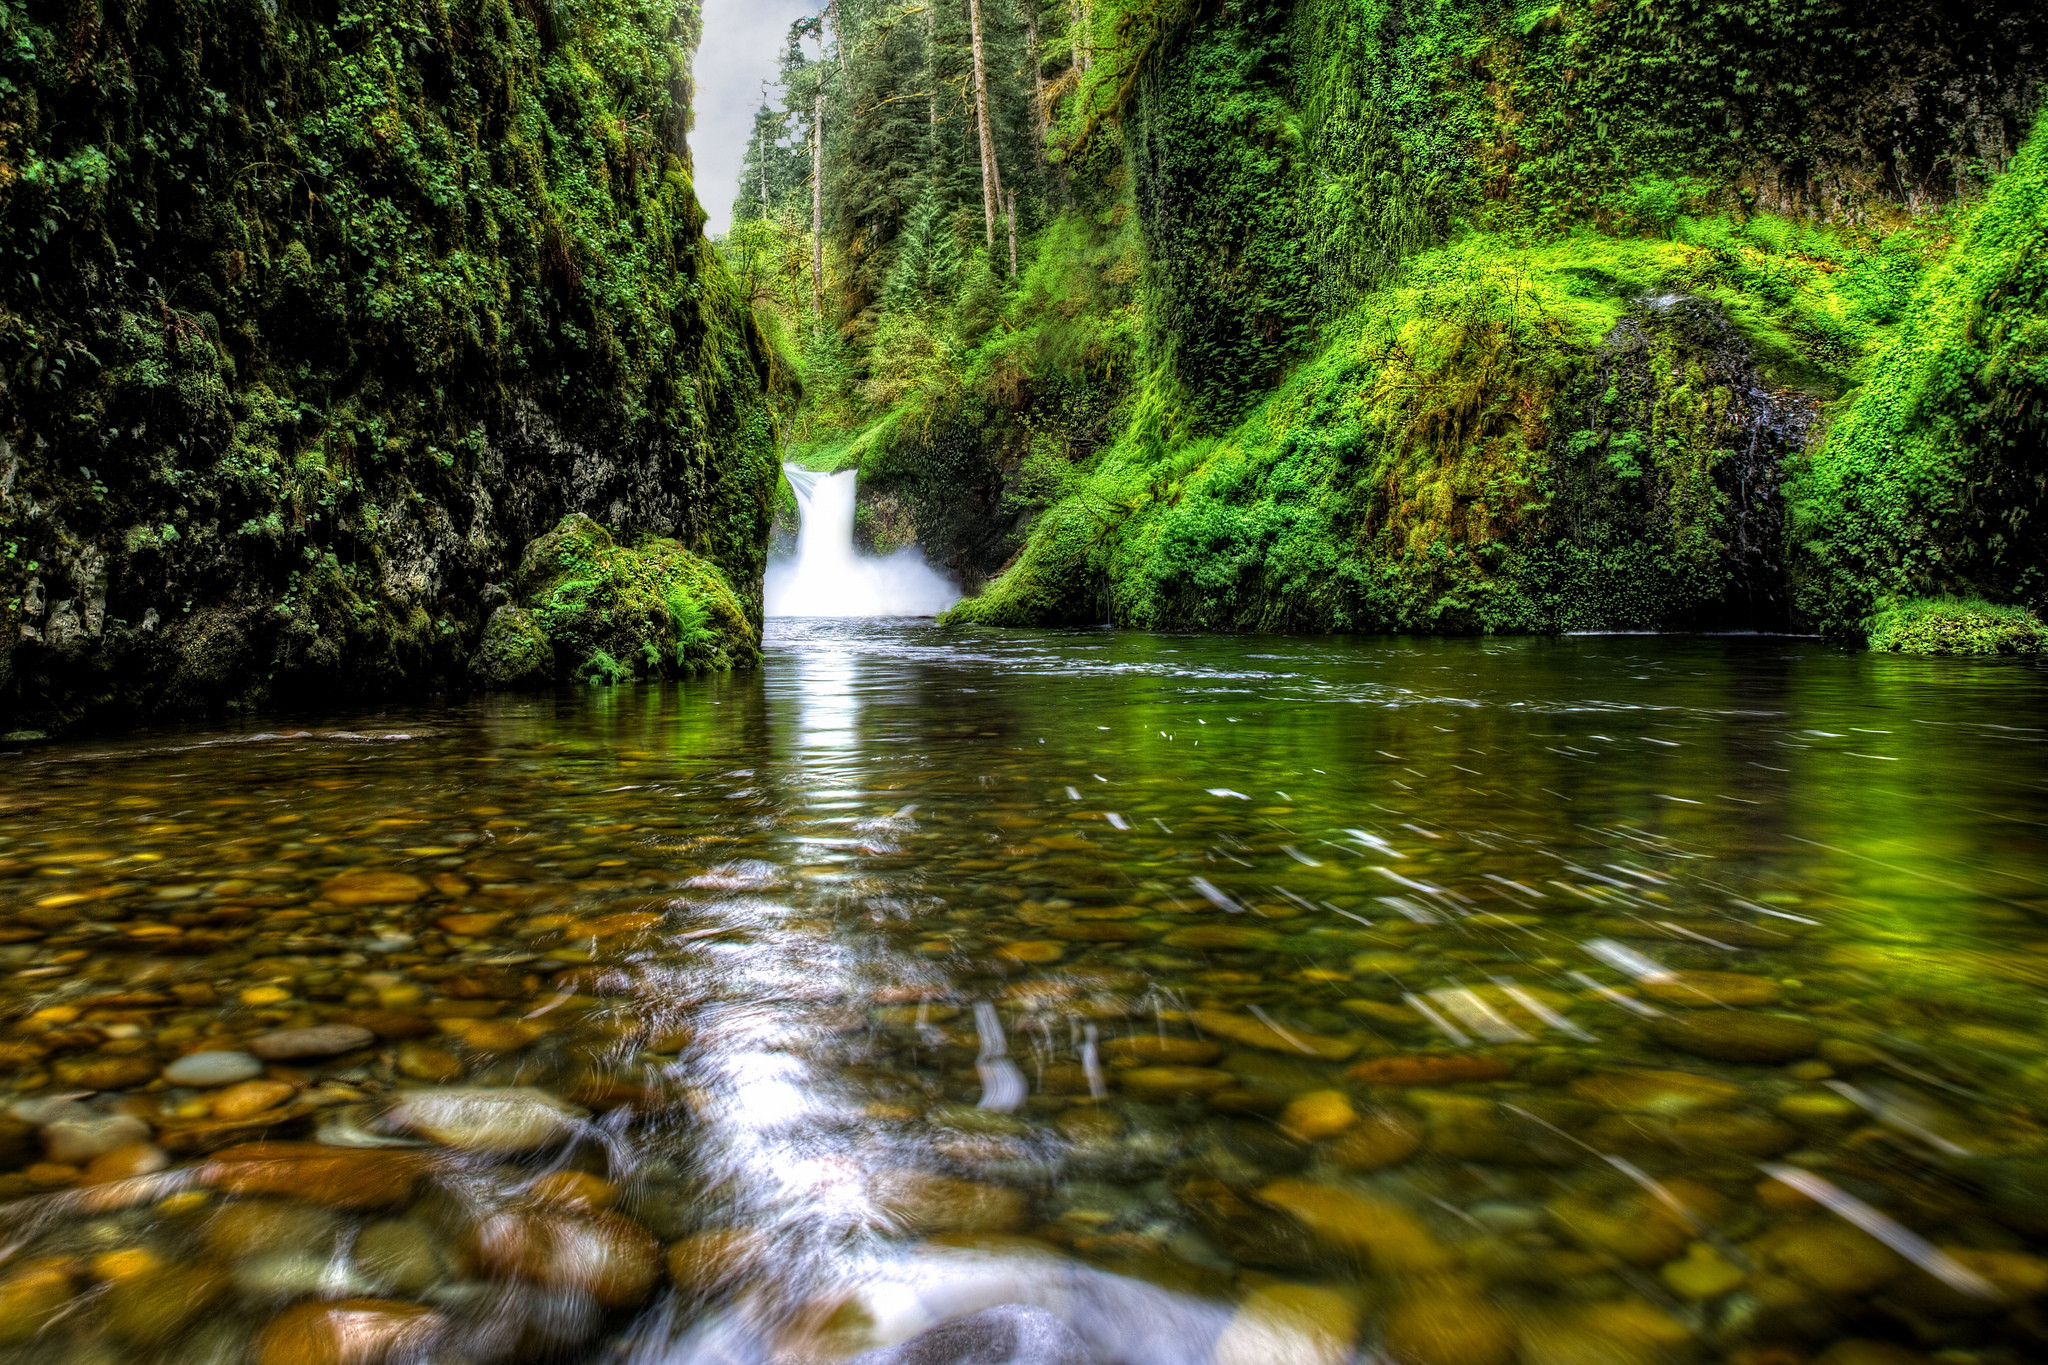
(1089, 1126)
(424, 1062)
(1706, 1133)
(1010, 1334)
(921, 1201)
(1033, 951)
(149, 1310)
(1612, 1332)
(125, 1163)
(338, 1177)
(375, 888)
(1248, 1233)
(706, 1262)
(1152, 1050)
(77, 1138)
(263, 1227)
(608, 1257)
(30, 1298)
(388, 1024)
(488, 1119)
(1449, 1328)
(576, 1189)
(1430, 1069)
(1379, 1139)
(1655, 1092)
(1289, 1324)
(1733, 1036)
(1818, 1109)
(348, 1332)
(1863, 1351)
(1166, 1082)
(203, 1070)
(1830, 1256)
(1703, 989)
(1468, 1127)
(401, 1256)
(250, 1098)
(1635, 1228)
(1253, 1032)
(103, 1071)
(320, 1040)
(1394, 1240)
(1318, 1114)
(1701, 1274)
(1223, 937)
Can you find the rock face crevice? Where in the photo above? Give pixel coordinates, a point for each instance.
(313, 317)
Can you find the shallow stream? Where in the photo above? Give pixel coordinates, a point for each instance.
(1594, 1001)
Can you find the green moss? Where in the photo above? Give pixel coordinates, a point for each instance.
(651, 609)
(312, 317)
(1956, 626)
(1930, 480)
(515, 651)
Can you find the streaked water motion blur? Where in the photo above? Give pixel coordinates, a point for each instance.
(1594, 1001)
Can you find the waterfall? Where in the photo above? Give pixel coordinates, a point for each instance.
(828, 577)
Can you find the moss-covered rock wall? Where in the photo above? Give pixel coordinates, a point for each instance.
(1574, 314)
(313, 315)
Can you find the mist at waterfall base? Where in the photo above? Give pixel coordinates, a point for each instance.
(829, 577)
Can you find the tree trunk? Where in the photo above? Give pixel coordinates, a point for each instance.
(1079, 11)
(1037, 82)
(818, 203)
(931, 67)
(1010, 212)
(991, 186)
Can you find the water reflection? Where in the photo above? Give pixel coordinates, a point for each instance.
(1162, 999)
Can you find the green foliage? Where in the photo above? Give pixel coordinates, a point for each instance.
(392, 287)
(1930, 480)
(1951, 626)
(652, 604)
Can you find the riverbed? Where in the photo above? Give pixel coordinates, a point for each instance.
(1584, 1001)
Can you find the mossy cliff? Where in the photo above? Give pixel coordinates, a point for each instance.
(313, 315)
(1466, 315)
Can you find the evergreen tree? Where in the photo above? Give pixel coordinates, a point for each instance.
(774, 169)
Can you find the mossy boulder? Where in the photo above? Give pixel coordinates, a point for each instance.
(515, 651)
(607, 612)
(1955, 626)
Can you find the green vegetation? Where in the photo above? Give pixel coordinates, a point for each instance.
(310, 319)
(608, 611)
(1436, 314)
(1948, 626)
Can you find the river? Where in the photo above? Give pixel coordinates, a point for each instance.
(1587, 1001)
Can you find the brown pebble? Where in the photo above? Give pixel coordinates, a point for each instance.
(125, 1163)
(348, 1332)
(250, 1098)
(320, 1040)
(612, 1259)
(1705, 989)
(339, 1177)
(1450, 1329)
(375, 888)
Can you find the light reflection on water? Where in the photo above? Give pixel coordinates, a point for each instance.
(1616, 1000)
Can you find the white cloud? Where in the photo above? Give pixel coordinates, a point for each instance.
(742, 47)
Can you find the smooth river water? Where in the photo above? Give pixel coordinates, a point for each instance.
(1597, 1001)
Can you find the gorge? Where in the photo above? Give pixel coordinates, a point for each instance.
(1302, 682)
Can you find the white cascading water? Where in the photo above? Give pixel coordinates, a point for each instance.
(829, 577)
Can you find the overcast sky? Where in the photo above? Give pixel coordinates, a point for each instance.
(743, 41)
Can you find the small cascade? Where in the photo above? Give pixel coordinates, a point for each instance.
(829, 577)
